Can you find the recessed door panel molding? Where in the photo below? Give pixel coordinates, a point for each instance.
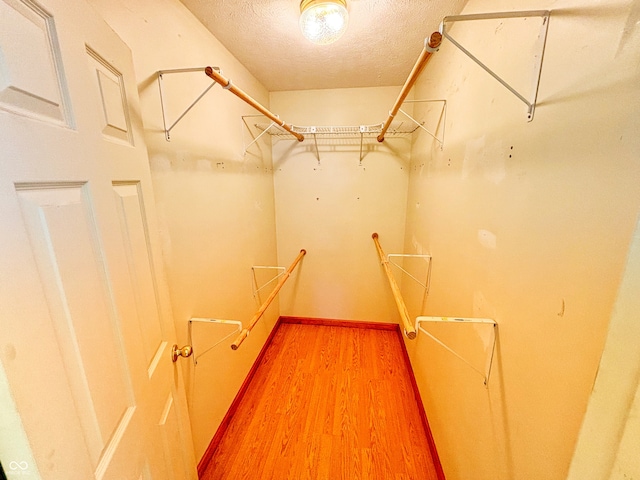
(61, 228)
(130, 207)
(120, 459)
(112, 97)
(168, 424)
(32, 81)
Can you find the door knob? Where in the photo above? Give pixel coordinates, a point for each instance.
(176, 352)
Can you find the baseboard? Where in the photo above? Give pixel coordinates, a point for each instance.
(423, 414)
(328, 322)
(222, 428)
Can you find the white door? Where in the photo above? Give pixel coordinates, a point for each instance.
(87, 386)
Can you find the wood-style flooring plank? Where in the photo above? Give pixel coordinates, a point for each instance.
(327, 402)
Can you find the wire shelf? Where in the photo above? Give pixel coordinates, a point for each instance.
(354, 131)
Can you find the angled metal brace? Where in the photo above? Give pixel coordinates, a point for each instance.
(161, 73)
(401, 255)
(265, 131)
(218, 321)
(313, 131)
(531, 101)
(254, 284)
(489, 361)
(421, 125)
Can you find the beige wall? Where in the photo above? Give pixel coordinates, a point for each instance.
(332, 206)
(529, 224)
(215, 204)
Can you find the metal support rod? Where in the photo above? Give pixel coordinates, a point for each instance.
(255, 287)
(227, 85)
(363, 129)
(530, 103)
(315, 141)
(218, 321)
(423, 285)
(430, 46)
(245, 332)
(167, 130)
(189, 108)
(409, 329)
(487, 321)
(420, 125)
(258, 137)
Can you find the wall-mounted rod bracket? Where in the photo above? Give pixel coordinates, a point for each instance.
(443, 118)
(424, 284)
(465, 321)
(431, 45)
(161, 73)
(529, 101)
(260, 135)
(242, 95)
(254, 285)
(212, 321)
(252, 323)
(314, 131)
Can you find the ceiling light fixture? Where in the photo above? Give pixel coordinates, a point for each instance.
(323, 21)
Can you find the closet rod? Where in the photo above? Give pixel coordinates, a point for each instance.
(227, 85)
(409, 329)
(431, 44)
(283, 278)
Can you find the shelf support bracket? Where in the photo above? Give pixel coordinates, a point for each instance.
(427, 258)
(254, 285)
(362, 129)
(313, 132)
(255, 140)
(530, 102)
(443, 116)
(210, 321)
(486, 321)
(161, 73)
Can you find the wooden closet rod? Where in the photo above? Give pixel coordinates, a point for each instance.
(409, 329)
(227, 85)
(265, 305)
(430, 46)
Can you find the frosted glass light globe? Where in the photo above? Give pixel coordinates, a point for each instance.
(323, 21)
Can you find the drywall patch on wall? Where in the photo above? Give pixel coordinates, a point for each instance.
(160, 162)
(417, 246)
(487, 239)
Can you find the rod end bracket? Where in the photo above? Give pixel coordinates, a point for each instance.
(432, 44)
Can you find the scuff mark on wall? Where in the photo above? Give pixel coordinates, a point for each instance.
(561, 312)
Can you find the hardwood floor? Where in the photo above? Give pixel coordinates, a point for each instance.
(327, 402)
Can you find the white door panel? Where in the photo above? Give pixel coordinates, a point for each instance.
(85, 320)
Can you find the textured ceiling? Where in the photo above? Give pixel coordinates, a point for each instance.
(382, 42)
